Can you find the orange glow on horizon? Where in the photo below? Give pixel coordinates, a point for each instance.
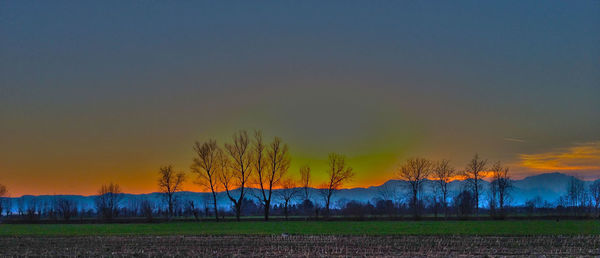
(581, 157)
(139, 179)
(133, 188)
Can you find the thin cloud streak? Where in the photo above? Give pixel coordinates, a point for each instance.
(513, 140)
(581, 157)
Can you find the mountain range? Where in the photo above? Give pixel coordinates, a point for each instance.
(548, 187)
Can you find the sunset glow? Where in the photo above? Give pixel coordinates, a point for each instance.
(99, 92)
(584, 158)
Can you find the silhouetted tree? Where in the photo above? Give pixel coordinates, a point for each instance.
(258, 164)
(191, 208)
(355, 209)
(50, 208)
(31, 211)
(287, 193)
(169, 183)
(338, 174)
(443, 173)
(414, 171)
(500, 185)
(147, 209)
(595, 192)
(108, 200)
(474, 173)
(464, 203)
(387, 191)
(384, 206)
(575, 194)
(238, 175)
(305, 180)
(276, 164)
(206, 167)
(7, 204)
(307, 207)
(250, 207)
(66, 208)
(3, 204)
(532, 204)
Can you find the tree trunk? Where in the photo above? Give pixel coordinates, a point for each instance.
(170, 211)
(445, 202)
(327, 205)
(238, 210)
(267, 208)
(215, 204)
(415, 201)
(501, 204)
(476, 198)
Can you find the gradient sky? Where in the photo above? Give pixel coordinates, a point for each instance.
(100, 91)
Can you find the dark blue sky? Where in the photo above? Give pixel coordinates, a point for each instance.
(110, 90)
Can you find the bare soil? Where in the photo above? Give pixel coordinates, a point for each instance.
(297, 245)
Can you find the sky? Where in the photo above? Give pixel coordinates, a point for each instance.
(93, 92)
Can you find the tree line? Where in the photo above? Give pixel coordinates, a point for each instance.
(248, 161)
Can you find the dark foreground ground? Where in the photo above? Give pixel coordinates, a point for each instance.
(301, 245)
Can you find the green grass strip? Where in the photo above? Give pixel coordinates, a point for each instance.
(516, 228)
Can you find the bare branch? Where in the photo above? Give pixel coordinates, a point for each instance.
(474, 173)
(338, 174)
(414, 171)
(169, 183)
(241, 162)
(206, 167)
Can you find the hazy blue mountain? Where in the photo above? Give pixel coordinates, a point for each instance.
(549, 187)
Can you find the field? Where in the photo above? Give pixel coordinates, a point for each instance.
(300, 245)
(489, 228)
(312, 238)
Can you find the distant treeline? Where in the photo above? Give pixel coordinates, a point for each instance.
(247, 162)
(461, 207)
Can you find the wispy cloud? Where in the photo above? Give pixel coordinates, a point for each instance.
(581, 157)
(508, 139)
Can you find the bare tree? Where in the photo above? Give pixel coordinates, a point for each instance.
(305, 180)
(147, 209)
(238, 175)
(288, 192)
(595, 192)
(259, 166)
(206, 168)
(3, 192)
(501, 184)
(474, 173)
(276, 164)
(66, 208)
(32, 209)
(134, 206)
(169, 183)
(108, 200)
(191, 208)
(338, 174)
(575, 193)
(8, 204)
(443, 173)
(387, 192)
(414, 171)
(21, 206)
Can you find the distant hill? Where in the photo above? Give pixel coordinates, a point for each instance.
(549, 187)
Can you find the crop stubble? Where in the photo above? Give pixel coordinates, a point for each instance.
(302, 245)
